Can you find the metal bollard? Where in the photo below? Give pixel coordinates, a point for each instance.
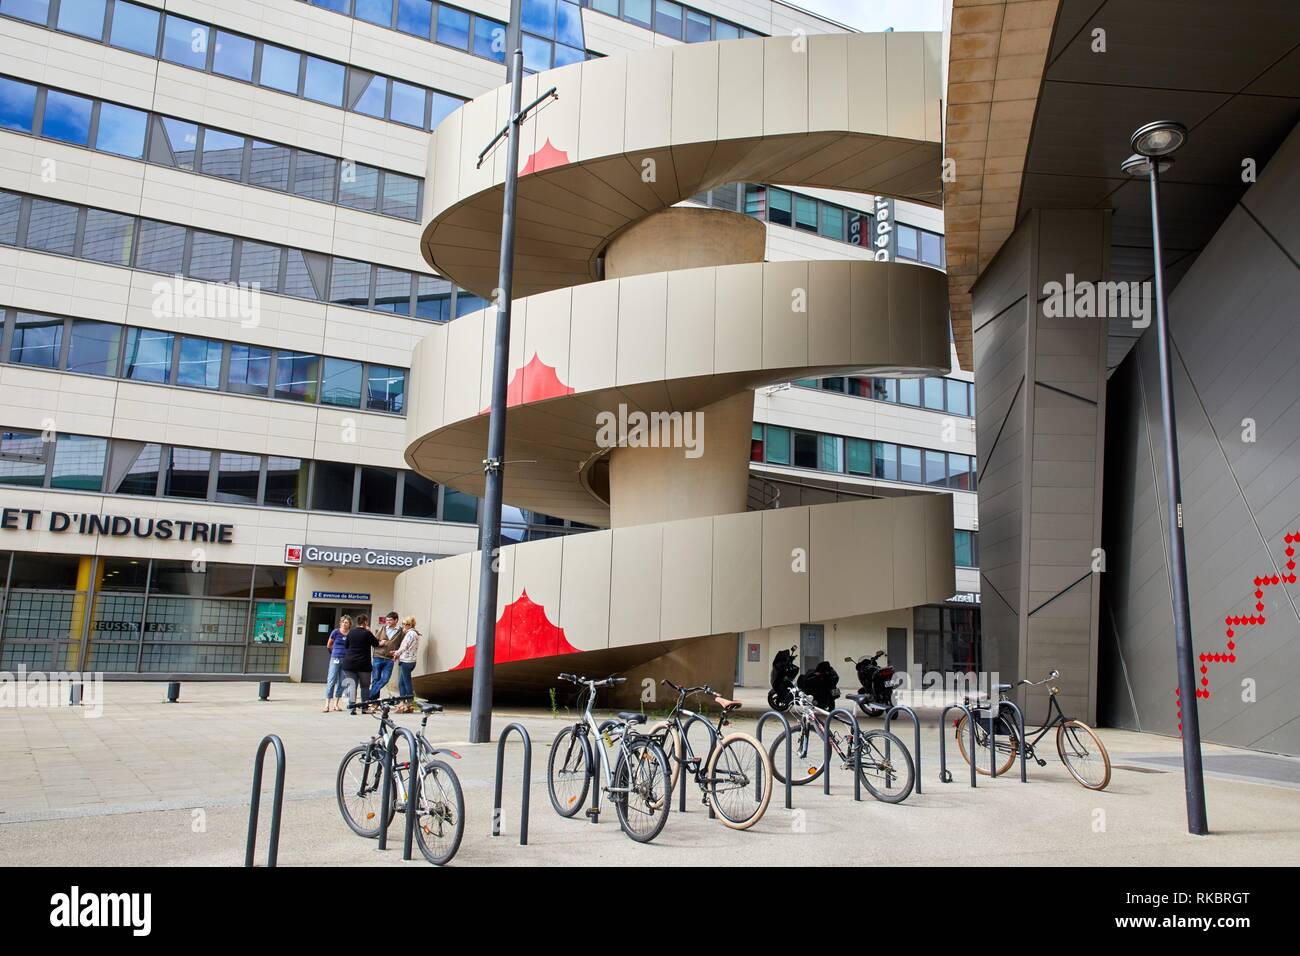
(704, 761)
(789, 757)
(916, 724)
(944, 775)
(255, 801)
(412, 785)
(74, 695)
(173, 692)
(1020, 729)
(264, 690)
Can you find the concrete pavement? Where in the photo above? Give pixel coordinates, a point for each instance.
(153, 783)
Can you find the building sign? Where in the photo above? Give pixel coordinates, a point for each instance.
(885, 241)
(369, 559)
(755, 654)
(357, 596)
(115, 526)
(965, 597)
(268, 622)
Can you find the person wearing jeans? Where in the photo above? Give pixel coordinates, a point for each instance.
(338, 646)
(356, 659)
(381, 667)
(406, 654)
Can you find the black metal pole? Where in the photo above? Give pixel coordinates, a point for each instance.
(1193, 774)
(480, 715)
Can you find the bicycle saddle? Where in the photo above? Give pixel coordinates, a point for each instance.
(632, 717)
(1003, 688)
(727, 705)
(859, 698)
(428, 708)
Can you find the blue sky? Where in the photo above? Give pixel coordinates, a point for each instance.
(874, 15)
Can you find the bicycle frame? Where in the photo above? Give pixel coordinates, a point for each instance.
(589, 726)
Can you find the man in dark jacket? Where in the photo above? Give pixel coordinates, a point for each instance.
(356, 661)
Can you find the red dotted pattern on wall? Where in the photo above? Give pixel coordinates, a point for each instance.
(1233, 622)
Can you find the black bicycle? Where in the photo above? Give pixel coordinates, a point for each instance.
(1077, 744)
(728, 773)
(440, 806)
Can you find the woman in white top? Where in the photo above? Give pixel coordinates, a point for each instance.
(406, 654)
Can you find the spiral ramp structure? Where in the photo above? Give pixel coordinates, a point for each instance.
(631, 304)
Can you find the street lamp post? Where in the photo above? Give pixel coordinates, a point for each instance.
(1153, 144)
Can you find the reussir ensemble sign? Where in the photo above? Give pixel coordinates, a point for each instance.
(116, 526)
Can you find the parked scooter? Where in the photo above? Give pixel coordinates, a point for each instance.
(822, 685)
(877, 682)
(784, 670)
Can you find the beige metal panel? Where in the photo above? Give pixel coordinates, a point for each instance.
(904, 310)
(448, 627)
(787, 563)
(604, 95)
(828, 82)
(909, 542)
(868, 113)
(737, 572)
(649, 97)
(905, 93)
(642, 320)
(584, 589)
(686, 607)
(464, 367)
(785, 314)
(444, 156)
(933, 291)
(740, 89)
(546, 333)
(869, 296)
(840, 561)
(518, 340)
(428, 381)
(933, 85)
(940, 577)
(593, 341)
(537, 571)
(738, 329)
(689, 335)
(636, 563)
(695, 93)
(478, 126)
(505, 580)
(557, 121)
(785, 85)
(829, 317)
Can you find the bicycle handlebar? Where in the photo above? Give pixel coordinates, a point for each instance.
(384, 702)
(613, 681)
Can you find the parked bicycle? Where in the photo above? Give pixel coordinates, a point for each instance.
(440, 806)
(1077, 744)
(638, 783)
(888, 771)
(728, 771)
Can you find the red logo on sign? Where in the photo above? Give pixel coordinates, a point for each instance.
(293, 554)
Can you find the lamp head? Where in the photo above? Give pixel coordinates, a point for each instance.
(1161, 138)
(1139, 165)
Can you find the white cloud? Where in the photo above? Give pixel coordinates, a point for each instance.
(877, 15)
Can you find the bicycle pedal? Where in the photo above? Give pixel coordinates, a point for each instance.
(593, 814)
(693, 765)
(1041, 761)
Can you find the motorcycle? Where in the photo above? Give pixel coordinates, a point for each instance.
(877, 682)
(783, 674)
(822, 685)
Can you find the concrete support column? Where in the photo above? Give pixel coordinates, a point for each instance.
(1041, 381)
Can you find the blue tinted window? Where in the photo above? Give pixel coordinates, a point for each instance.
(37, 340)
(135, 28)
(564, 55)
(223, 154)
(725, 31)
(490, 39)
(148, 355)
(408, 104)
(415, 16)
(467, 302)
(568, 24)
(341, 384)
(539, 17)
(453, 27)
(443, 106)
(233, 56)
(200, 363)
(279, 68)
(185, 42)
(324, 81)
(338, 6)
(17, 105)
(182, 139)
(82, 17)
(250, 368)
(376, 11)
(637, 11)
(698, 27)
(385, 389)
(67, 118)
(537, 54)
(371, 101)
(121, 130)
(93, 347)
(668, 18)
(37, 11)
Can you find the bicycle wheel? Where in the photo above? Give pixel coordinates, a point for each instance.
(640, 793)
(733, 786)
(806, 758)
(1083, 754)
(668, 737)
(888, 771)
(1008, 743)
(359, 789)
(568, 772)
(441, 807)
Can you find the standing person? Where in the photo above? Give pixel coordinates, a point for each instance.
(356, 660)
(338, 646)
(390, 635)
(406, 654)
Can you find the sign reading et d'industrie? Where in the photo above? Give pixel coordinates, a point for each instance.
(376, 559)
(116, 526)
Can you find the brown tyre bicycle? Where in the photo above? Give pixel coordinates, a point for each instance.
(1077, 744)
